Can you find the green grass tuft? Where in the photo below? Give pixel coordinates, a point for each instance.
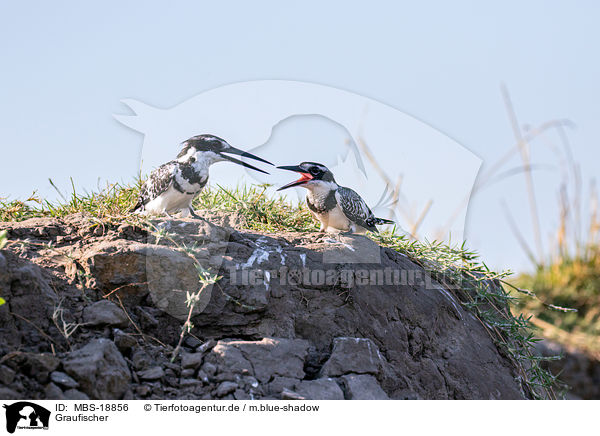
(116, 200)
(262, 213)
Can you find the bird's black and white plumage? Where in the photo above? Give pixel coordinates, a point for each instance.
(337, 208)
(172, 187)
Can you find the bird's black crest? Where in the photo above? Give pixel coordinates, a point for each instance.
(202, 143)
(318, 171)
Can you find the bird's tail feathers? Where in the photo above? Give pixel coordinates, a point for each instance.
(139, 206)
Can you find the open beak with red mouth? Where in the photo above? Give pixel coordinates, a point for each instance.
(306, 177)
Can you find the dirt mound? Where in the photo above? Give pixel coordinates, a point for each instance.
(94, 311)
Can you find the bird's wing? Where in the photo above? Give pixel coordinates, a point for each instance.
(355, 208)
(159, 181)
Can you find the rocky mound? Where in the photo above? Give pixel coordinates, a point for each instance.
(95, 310)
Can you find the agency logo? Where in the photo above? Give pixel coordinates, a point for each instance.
(26, 416)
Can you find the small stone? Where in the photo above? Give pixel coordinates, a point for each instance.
(353, 355)
(187, 382)
(202, 376)
(240, 394)
(191, 360)
(209, 368)
(225, 388)
(320, 389)
(187, 373)
(38, 366)
(154, 373)
(105, 312)
(53, 392)
(9, 394)
(286, 394)
(206, 346)
(123, 341)
(172, 366)
(7, 375)
(171, 381)
(362, 387)
(62, 379)
(250, 381)
(228, 357)
(279, 384)
(140, 359)
(100, 369)
(192, 341)
(74, 394)
(143, 390)
(226, 376)
(263, 359)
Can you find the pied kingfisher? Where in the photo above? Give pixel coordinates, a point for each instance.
(338, 209)
(172, 187)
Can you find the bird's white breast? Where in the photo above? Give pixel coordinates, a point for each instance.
(169, 201)
(336, 220)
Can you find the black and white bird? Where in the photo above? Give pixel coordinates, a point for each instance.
(172, 187)
(339, 209)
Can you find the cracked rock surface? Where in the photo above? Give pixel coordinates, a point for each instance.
(95, 311)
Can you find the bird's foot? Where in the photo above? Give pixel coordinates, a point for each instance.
(194, 215)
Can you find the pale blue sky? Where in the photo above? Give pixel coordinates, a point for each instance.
(66, 66)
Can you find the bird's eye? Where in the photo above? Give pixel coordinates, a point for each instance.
(314, 171)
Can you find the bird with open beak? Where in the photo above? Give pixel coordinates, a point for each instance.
(337, 208)
(172, 187)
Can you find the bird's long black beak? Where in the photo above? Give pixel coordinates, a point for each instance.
(242, 153)
(305, 176)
